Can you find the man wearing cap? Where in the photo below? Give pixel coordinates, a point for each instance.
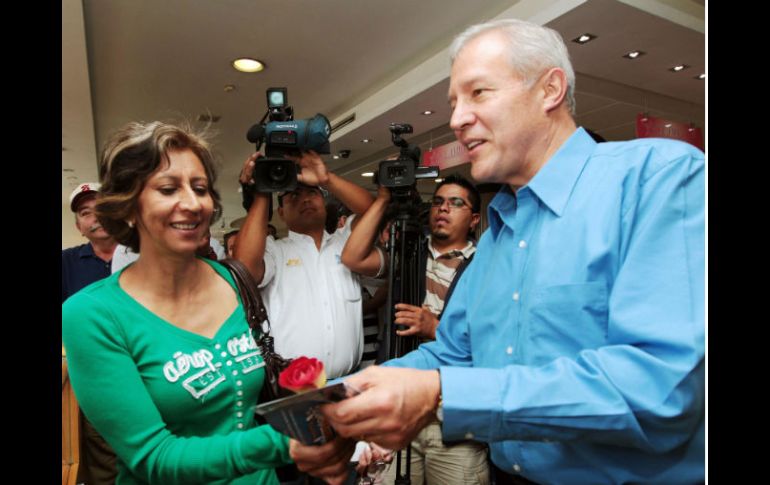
(84, 264)
(81, 266)
(313, 300)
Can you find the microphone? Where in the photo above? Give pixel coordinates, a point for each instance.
(255, 133)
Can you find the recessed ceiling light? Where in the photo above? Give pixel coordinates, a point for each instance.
(246, 64)
(366, 140)
(667, 125)
(633, 54)
(367, 174)
(229, 88)
(336, 157)
(427, 112)
(438, 181)
(701, 77)
(680, 67)
(584, 38)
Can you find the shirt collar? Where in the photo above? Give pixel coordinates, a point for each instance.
(466, 251)
(86, 251)
(299, 237)
(554, 182)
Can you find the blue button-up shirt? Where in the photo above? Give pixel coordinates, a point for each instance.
(574, 343)
(80, 267)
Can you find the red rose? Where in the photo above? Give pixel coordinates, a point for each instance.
(302, 375)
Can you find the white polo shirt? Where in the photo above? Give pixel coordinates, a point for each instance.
(314, 301)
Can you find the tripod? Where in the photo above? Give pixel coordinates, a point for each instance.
(406, 284)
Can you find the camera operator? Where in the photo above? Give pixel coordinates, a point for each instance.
(454, 214)
(312, 299)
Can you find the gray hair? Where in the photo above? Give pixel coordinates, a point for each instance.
(532, 49)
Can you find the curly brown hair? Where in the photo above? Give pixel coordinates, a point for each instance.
(131, 155)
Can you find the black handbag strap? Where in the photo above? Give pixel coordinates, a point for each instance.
(256, 314)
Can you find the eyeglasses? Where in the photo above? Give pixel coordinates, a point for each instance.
(454, 202)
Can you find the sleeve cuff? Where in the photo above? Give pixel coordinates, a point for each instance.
(471, 404)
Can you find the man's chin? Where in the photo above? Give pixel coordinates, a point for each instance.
(441, 236)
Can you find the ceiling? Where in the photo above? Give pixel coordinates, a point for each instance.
(384, 61)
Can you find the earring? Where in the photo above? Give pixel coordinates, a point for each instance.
(130, 224)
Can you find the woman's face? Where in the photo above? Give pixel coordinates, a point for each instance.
(175, 206)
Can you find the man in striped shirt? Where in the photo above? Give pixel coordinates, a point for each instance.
(454, 215)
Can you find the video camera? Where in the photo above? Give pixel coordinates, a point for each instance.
(283, 135)
(401, 174)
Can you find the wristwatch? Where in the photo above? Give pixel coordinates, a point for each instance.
(440, 407)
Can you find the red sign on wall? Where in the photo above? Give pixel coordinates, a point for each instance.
(650, 127)
(446, 156)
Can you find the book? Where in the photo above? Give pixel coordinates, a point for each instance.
(299, 416)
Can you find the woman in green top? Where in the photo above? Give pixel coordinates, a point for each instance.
(161, 358)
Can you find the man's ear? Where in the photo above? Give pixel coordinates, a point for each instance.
(555, 86)
(475, 219)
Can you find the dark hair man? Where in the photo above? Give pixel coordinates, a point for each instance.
(312, 298)
(453, 217)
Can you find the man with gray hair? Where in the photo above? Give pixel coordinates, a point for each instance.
(82, 265)
(574, 344)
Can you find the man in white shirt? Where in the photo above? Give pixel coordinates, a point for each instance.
(313, 300)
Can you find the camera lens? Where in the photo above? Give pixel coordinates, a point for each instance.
(277, 172)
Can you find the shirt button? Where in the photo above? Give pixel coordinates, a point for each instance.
(239, 414)
(238, 383)
(468, 435)
(224, 354)
(217, 346)
(240, 393)
(509, 350)
(515, 296)
(522, 244)
(239, 403)
(240, 425)
(516, 468)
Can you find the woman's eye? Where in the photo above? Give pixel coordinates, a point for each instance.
(167, 190)
(201, 190)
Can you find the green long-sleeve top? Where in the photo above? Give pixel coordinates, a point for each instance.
(175, 406)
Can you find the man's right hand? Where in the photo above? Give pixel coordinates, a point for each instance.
(393, 406)
(420, 320)
(247, 172)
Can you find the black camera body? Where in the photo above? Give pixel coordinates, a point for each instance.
(401, 175)
(282, 135)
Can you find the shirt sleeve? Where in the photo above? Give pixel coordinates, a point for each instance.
(645, 388)
(111, 393)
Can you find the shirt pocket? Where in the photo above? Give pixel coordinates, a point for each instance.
(566, 319)
(348, 283)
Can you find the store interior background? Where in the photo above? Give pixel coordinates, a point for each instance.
(381, 61)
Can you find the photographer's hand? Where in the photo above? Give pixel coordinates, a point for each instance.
(421, 321)
(313, 169)
(247, 172)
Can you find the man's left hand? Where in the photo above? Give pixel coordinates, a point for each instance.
(313, 169)
(421, 321)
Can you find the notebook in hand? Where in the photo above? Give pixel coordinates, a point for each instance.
(298, 416)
